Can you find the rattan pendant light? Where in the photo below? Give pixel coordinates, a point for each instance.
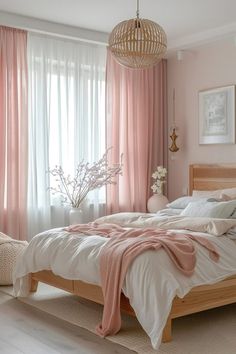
(138, 43)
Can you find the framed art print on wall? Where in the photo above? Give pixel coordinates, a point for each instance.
(217, 116)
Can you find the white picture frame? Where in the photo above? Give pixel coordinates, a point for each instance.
(217, 116)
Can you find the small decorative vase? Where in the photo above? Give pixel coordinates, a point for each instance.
(156, 202)
(75, 216)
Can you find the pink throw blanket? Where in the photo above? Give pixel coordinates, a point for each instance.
(125, 245)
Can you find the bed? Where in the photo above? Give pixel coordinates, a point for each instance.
(200, 298)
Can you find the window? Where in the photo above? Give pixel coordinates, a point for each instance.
(66, 117)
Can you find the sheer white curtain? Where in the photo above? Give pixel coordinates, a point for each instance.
(66, 122)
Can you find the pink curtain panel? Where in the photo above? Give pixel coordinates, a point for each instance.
(13, 132)
(136, 113)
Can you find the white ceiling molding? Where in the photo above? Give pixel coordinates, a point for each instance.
(202, 38)
(52, 28)
(92, 36)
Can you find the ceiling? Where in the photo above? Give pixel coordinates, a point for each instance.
(181, 19)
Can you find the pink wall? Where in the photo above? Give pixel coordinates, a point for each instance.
(205, 67)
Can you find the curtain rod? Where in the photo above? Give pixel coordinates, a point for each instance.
(64, 36)
(34, 25)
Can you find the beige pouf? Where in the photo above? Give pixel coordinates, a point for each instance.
(9, 250)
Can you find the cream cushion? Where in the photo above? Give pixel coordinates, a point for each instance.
(9, 250)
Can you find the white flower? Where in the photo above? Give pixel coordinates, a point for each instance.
(159, 175)
(154, 188)
(155, 175)
(164, 171)
(158, 183)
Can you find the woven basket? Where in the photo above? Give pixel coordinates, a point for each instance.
(9, 250)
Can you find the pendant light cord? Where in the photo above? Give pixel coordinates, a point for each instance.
(137, 12)
(174, 107)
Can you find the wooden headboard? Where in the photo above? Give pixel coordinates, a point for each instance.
(211, 177)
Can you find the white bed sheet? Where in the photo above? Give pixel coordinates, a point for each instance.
(152, 280)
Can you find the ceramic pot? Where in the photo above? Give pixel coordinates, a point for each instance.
(75, 216)
(156, 202)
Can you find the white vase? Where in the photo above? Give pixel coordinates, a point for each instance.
(156, 202)
(75, 216)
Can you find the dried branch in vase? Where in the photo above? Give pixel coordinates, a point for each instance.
(88, 177)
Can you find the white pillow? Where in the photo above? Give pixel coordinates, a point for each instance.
(230, 192)
(207, 194)
(221, 210)
(182, 202)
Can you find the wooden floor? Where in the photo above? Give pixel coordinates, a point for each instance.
(24, 329)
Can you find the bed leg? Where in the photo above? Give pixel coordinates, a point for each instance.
(166, 334)
(33, 285)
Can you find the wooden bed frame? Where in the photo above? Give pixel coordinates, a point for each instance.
(201, 177)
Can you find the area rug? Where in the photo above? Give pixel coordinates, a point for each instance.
(209, 332)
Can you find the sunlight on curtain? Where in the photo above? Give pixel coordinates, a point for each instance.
(66, 122)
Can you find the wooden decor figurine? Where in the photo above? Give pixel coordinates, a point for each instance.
(173, 147)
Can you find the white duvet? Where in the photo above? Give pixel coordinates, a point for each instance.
(152, 280)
